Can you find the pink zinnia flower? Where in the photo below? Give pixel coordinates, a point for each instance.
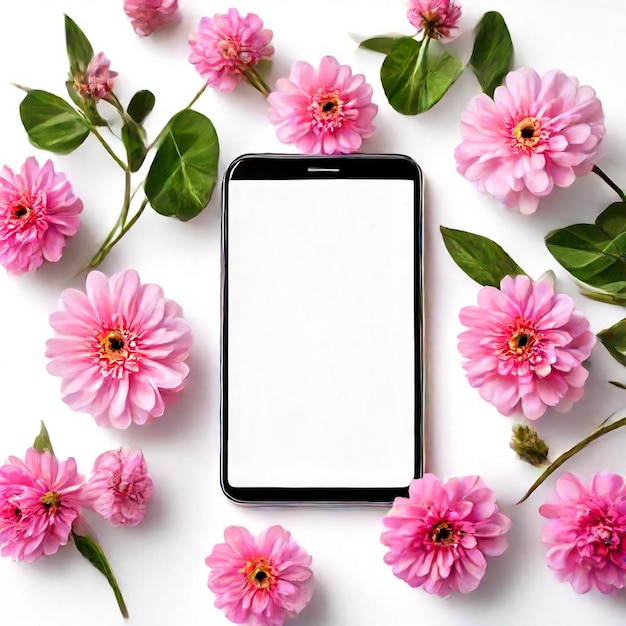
(260, 580)
(120, 486)
(120, 349)
(437, 18)
(525, 346)
(327, 111)
(38, 213)
(98, 80)
(227, 46)
(536, 133)
(439, 536)
(40, 499)
(586, 533)
(146, 16)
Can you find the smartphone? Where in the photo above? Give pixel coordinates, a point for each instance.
(321, 344)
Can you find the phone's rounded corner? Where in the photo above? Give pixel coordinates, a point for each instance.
(413, 164)
(230, 492)
(235, 163)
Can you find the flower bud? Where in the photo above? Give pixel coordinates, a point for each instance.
(529, 447)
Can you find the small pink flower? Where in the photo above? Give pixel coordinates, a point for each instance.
(40, 499)
(439, 536)
(327, 111)
(38, 213)
(228, 45)
(262, 580)
(524, 347)
(120, 349)
(120, 486)
(437, 18)
(146, 16)
(98, 80)
(536, 133)
(586, 533)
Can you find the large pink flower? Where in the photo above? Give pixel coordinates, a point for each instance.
(38, 213)
(437, 18)
(586, 533)
(120, 486)
(262, 580)
(536, 133)
(146, 16)
(327, 111)
(524, 347)
(227, 46)
(120, 349)
(98, 80)
(439, 536)
(40, 498)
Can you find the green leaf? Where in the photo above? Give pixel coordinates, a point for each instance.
(603, 296)
(492, 56)
(614, 340)
(595, 253)
(89, 548)
(482, 259)
(51, 123)
(42, 441)
(140, 105)
(79, 50)
(383, 43)
(415, 81)
(132, 138)
(183, 174)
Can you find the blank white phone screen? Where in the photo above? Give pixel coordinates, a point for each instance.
(321, 333)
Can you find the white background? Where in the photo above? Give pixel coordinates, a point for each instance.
(160, 564)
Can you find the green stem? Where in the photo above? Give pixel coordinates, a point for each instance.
(422, 57)
(596, 170)
(110, 243)
(596, 434)
(257, 82)
(108, 148)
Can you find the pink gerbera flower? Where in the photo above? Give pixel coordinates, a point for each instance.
(98, 80)
(228, 46)
(437, 18)
(586, 533)
(439, 536)
(120, 486)
(38, 213)
(327, 111)
(524, 347)
(146, 16)
(536, 133)
(262, 580)
(40, 498)
(120, 349)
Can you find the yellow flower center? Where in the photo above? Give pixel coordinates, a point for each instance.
(259, 572)
(329, 105)
(51, 500)
(112, 345)
(522, 341)
(527, 133)
(443, 534)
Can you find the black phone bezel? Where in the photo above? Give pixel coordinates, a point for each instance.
(287, 167)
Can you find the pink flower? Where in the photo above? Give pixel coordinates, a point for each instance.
(97, 81)
(227, 46)
(146, 16)
(120, 486)
(260, 580)
(40, 499)
(120, 349)
(439, 536)
(38, 213)
(586, 533)
(437, 18)
(536, 133)
(327, 111)
(524, 347)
